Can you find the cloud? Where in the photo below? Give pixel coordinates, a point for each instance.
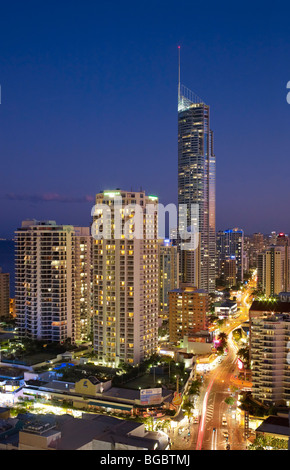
(48, 197)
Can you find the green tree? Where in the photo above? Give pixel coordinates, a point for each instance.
(269, 442)
(194, 388)
(230, 401)
(244, 354)
(187, 408)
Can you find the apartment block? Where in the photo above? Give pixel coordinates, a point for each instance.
(51, 281)
(273, 270)
(269, 351)
(4, 294)
(126, 272)
(188, 307)
(230, 249)
(83, 265)
(168, 275)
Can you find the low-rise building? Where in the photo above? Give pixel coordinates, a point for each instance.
(198, 343)
(91, 432)
(90, 394)
(277, 427)
(226, 309)
(11, 383)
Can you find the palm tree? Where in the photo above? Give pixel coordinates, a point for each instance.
(186, 407)
(244, 354)
(194, 388)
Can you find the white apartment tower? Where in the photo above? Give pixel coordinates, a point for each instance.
(49, 281)
(125, 285)
(269, 351)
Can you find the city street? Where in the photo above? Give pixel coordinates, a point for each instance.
(218, 426)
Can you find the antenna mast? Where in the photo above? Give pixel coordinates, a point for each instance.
(178, 73)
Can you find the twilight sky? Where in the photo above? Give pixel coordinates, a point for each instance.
(89, 102)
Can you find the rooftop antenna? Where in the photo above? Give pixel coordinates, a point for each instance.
(178, 73)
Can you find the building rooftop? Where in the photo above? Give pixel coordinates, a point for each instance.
(76, 433)
(9, 372)
(228, 303)
(271, 305)
(130, 394)
(55, 385)
(275, 425)
(181, 290)
(122, 393)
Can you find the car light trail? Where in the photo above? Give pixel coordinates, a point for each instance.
(203, 416)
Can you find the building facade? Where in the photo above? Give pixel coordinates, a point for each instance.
(196, 186)
(257, 245)
(273, 270)
(168, 275)
(4, 294)
(83, 262)
(269, 351)
(49, 285)
(188, 308)
(230, 246)
(126, 273)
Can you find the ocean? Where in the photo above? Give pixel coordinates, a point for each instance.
(7, 261)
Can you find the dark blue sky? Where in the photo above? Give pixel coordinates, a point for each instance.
(89, 102)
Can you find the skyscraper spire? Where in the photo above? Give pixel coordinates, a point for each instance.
(178, 73)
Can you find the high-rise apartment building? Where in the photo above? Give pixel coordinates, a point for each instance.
(188, 308)
(4, 294)
(126, 272)
(273, 271)
(258, 245)
(230, 245)
(168, 275)
(83, 264)
(49, 281)
(228, 271)
(196, 185)
(269, 351)
(283, 240)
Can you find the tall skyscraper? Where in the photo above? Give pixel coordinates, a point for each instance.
(126, 270)
(51, 281)
(196, 185)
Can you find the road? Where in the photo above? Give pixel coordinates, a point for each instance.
(217, 388)
(218, 426)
